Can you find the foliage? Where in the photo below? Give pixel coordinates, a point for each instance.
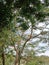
(27, 9)
(39, 61)
(15, 17)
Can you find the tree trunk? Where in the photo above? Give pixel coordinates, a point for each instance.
(19, 58)
(3, 58)
(17, 61)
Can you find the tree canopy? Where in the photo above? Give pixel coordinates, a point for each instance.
(30, 9)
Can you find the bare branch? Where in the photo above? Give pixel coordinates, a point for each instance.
(26, 41)
(29, 39)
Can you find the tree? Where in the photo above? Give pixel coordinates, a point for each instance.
(24, 13)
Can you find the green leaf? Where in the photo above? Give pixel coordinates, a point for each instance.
(24, 26)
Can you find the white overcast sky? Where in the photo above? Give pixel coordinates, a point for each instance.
(46, 53)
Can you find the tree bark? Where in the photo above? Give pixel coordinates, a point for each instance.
(18, 58)
(3, 58)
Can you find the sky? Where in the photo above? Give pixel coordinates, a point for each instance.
(46, 53)
(40, 25)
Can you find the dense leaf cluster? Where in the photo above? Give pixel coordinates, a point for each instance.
(26, 8)
(5, 14)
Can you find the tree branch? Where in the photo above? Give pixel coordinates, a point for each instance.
(26, 41)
